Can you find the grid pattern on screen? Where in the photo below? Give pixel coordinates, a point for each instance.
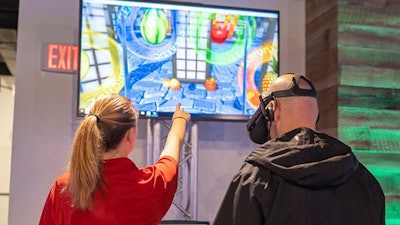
(190, 59)
(95, 45)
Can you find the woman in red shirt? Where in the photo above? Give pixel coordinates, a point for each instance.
(102, 185)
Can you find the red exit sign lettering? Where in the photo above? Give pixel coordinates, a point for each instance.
(60, 58)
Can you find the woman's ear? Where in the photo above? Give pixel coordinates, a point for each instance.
(131, 134)
(128, 142)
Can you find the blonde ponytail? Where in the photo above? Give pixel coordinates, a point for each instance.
(86, 164)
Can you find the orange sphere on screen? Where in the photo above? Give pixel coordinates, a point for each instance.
(210, 84)
(175, 84)
(166, 83)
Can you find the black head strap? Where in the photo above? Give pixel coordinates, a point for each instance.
(295, 90)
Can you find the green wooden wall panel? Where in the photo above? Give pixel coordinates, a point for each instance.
(361, 35)
(369, 97)
(369, 90)
(359, 14)
(369, 76)
(355, 55)
(385, 167)
(369, 41)
(392, 211)
(366, 138)
(369, 117)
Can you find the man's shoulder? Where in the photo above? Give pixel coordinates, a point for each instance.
(251, 171)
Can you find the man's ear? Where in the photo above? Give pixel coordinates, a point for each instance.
(276, 109)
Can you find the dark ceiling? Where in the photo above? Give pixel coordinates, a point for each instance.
(8, 33)
(9, 14)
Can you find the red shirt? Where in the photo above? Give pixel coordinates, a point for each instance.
(133, 196)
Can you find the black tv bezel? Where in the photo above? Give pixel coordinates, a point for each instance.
(168, 115)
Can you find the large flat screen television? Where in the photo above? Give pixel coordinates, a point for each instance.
(214, 60)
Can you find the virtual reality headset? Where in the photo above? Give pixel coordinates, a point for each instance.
(258, 127)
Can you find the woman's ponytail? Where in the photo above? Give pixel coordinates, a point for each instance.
(86, 163)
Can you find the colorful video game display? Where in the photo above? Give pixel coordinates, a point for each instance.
(215, 61)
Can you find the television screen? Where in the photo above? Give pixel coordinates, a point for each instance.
(214, 60)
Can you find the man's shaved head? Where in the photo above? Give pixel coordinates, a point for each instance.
(293, 111)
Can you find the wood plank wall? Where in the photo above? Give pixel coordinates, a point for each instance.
(369, 90)
(353, 56)
(322, 60)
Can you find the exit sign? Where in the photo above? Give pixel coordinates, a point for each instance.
(60, 58)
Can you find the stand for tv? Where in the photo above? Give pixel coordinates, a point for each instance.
(186, 195)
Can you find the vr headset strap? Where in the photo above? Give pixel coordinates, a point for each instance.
(257, 125)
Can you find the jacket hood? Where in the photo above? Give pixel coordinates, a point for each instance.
(306, 158)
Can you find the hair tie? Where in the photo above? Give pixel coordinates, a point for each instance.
(97, 118)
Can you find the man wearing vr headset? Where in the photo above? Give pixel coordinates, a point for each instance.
(298, 175)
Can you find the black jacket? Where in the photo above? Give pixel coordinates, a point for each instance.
(303, 177)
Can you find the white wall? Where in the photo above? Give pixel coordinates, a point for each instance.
(6, 124)
(44, 119)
